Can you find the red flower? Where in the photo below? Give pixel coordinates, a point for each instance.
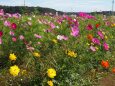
(97, 25)
(13, 26)
(105, 64)
(1, 33)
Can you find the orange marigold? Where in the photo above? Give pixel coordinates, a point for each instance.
(90, 36)
(113, 70)
(105, 64)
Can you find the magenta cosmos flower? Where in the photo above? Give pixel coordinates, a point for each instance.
(100, 34)
(96, 41)
(13, 26)
(89, 27)
(1, 34)
(74, 31)
(105, 46)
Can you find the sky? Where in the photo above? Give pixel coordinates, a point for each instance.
(65, 5)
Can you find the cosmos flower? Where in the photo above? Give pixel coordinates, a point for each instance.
(100, 34)
(37, 36)
(16, 15)
(52, 25)
(93, 48)
(89, 27)
(62, 37)
(11, 33)
(21, 37)
(105, 46)
(7, 23)
(1, 12)
(14, 39)
(0, 40)
(74, 31)
(85, 15)
(13, 26)
(1, 34)
(96, 41)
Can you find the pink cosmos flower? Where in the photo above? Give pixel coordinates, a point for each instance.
(29, 48)
(13, 26)
(1, 12)
(14, 39)
(11, 33)
(62, 37)
(96, 41)
(37, 36)
(75, 31)
(9, 15)
(93, 48)
(59, 37)
(16, 15)
(30, 23)
(38, 42)
(100, 34)
(7, 23)
(21, 37)
(52, 25)
(105, 46)
(0, 40)
(89, 27)
(65, 38)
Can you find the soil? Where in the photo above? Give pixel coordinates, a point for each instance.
(109, 80)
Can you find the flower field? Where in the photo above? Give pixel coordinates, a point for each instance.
(56, 50)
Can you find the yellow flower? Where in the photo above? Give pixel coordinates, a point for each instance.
(103, 33)
(51, 73)
(50, 83)
(97, 48)
(14, 70)
(24, 72)
(12, 57)
(92, 43)
(112, 25)
(106, 37)
(71, 53)
(87, 44)
(36, 54)
(55, 41)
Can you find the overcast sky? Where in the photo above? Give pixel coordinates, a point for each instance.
(65, 5)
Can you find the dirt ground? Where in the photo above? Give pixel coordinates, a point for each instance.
(109, 80)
